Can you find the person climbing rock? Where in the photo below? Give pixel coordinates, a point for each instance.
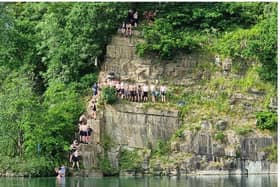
(94, 109)
(73, 147)
(89, 132)
(83, 119)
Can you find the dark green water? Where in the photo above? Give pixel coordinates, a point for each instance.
(198, 181)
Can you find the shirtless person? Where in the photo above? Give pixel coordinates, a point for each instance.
(83, 118)
(131, 92)
(73, 147)
(145, 92)
(83, 133)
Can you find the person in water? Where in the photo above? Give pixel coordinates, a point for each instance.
(60, 178)
(60, 171)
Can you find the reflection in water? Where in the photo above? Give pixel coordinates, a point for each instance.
(60, 181)
(190, 181)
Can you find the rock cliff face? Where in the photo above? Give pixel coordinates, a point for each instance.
(133, 126)
(195, 150)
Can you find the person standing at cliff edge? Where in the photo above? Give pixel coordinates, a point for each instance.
(163, 93)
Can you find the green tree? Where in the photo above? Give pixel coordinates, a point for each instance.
(19, 112)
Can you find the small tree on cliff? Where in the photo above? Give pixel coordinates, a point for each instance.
(109, 95)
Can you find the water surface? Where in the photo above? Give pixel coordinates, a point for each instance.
(190, 181)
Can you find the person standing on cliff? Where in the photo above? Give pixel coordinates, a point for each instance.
(122, 90)
(153, 92)
(145, 92)
(135, 18)
(139, 93)
(163, 93)
(83, 133)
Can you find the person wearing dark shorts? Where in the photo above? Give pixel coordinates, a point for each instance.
(89, 132)
(73, 147)
(145, 92)
(76, 159)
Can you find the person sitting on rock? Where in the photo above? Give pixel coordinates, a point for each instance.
(76, 159)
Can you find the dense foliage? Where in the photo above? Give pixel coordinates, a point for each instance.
(130, 160)
(109, 95)
(47, 59)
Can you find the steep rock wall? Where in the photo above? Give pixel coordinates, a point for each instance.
(133, 126)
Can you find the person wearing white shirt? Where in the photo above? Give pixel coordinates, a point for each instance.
(163, 93)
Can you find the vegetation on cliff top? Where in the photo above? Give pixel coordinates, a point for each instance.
(242, 30)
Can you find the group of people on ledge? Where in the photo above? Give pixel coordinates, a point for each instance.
(135, 92)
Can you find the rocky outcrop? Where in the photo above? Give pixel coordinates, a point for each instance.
(121, 59)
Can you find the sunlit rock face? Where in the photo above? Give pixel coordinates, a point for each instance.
(137, 127)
